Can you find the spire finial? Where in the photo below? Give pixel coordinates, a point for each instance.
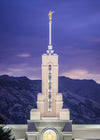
(50, 16)
(50, 51)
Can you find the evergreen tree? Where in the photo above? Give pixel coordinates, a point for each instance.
(5, 133)
(2, 121)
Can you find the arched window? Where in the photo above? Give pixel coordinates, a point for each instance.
(49, 135)
(49, 68)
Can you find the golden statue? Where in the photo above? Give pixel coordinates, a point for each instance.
(50, 15)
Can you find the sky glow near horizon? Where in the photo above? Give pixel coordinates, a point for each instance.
(24, 37)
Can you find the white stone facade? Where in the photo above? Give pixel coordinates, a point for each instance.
(56, 101)
(79, 132)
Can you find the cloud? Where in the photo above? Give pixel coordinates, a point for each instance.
(94, 39)
(22, 70)
(24, 55)
(82, 74)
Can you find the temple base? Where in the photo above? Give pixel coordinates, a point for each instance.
(58, 129)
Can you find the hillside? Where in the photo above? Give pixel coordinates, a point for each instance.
(18, 96)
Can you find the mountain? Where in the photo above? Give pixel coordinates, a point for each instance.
(84, 88)
(18, 95)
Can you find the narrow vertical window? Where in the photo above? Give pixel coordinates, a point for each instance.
(49, 68)
(49, 88)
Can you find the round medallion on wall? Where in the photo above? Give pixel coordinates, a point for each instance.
(49, 135)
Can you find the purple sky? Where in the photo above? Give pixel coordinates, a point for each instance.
(75, 37)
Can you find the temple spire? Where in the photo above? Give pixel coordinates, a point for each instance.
(50, 51)
(50, 23)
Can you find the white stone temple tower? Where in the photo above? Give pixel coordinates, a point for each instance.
(49, 118)
(49, 102)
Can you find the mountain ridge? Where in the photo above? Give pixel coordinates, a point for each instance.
(18, 95)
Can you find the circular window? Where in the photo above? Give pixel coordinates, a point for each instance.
(49, 135)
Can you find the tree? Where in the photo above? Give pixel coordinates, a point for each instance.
(1, 120)
(5, 133)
